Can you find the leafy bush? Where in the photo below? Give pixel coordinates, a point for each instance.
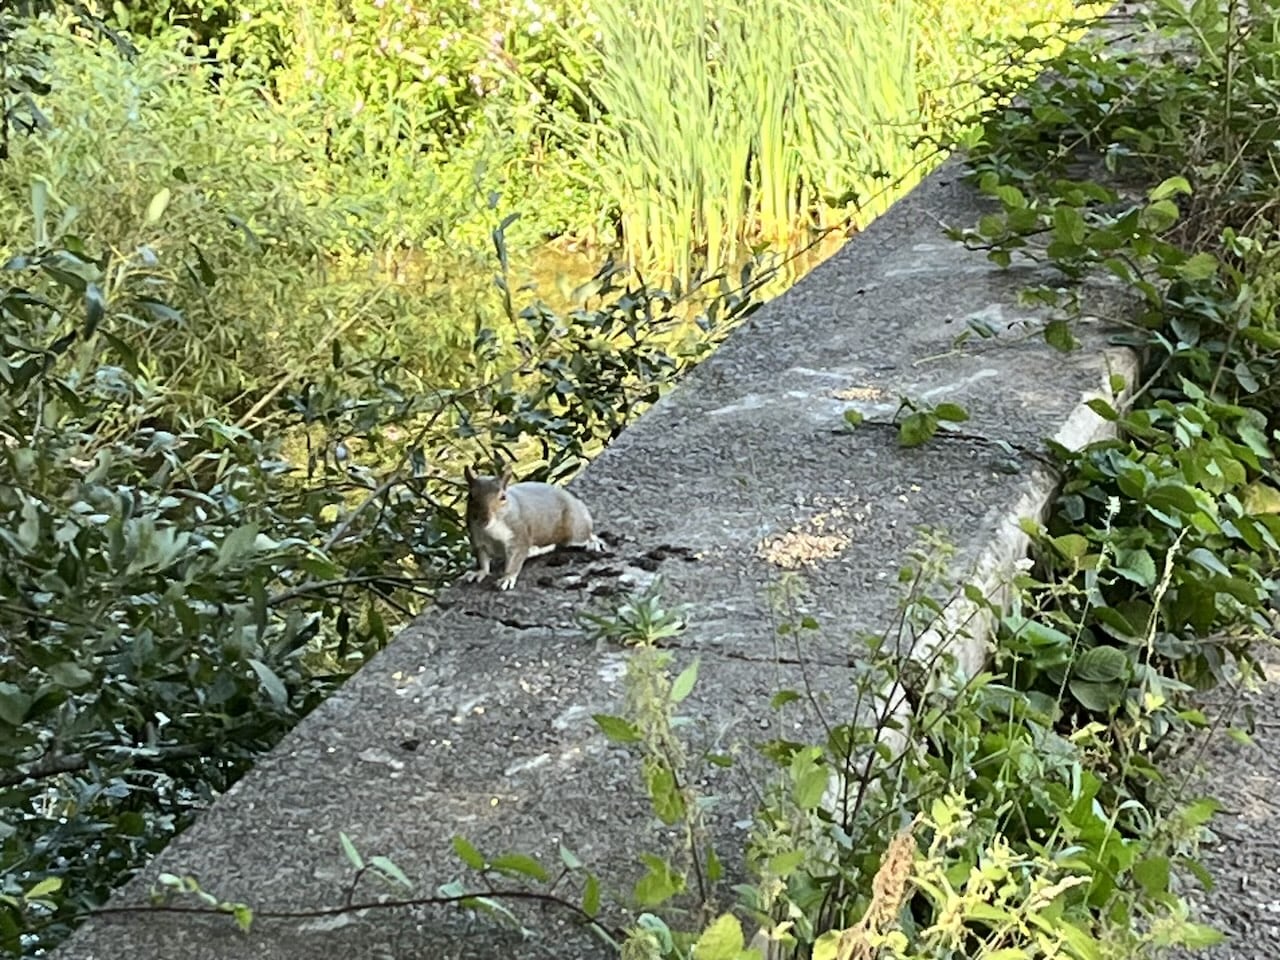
(1161, 553)
(213, 460)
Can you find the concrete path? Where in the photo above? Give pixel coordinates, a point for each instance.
(477, 719)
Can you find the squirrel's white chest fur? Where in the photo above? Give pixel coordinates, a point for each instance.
(500, 535)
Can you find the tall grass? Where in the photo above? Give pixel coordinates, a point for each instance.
(719, 124)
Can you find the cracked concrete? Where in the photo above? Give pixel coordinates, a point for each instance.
(477, 719)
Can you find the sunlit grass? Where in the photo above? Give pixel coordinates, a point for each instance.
(720, 124)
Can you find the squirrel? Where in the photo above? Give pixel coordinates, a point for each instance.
(521, 520)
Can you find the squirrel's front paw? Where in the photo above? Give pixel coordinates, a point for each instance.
(596, 545)
(506, 583)
(473, 576)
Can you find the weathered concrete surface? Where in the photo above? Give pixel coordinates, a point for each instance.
(477, 720)
(1243, 853)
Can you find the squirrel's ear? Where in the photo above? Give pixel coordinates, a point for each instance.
(469, 474)
(508, 473)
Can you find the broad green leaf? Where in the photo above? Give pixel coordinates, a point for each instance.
(1199, 267)
(1153, 875)
(783, 864)
(1207, 559)
(659, 884)
(1103, 409)
(69, 675)
(722, 940)
(810, 786)
(1261, 498)
(853, 418)
(917, 428)
(1169, 188)
(1071, 546)
(1136, 565)
(44, 888)
(1098, 697)
(1057, 334)
(14, 703)
(1101, 665)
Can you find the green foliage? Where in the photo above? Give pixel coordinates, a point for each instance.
(221, 486)
(793, 118)
(1159, 559)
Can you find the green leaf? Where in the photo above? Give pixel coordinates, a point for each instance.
(853, 418)
(1152, 875)
(1036, 634)
(1068, 225)
(784, 864)
(158, 204)
(271, 683)
(14, 704)
(350, 850)
(917, 428)
(616, 729)
(1170, 187)
(1207, 559)
(95, 308)
(385, 866)
(467, 853)
(1197, 935)
(1160, 216)
(28, 531)
(243, 915)
(236, 544)
(1136, 565)
(659, 884)
(569, 858)
(591, 895)
(1199, 267)
(683, 685)
(1103, 409)
(664, 794)
(722, 940)
(69, 675)
(951, 412)
(1071, 546)
(810, 786)
(783, 697)
(1098, 697)
(43, 889)
(1101, 665)
(519, 864)
(1057, 334)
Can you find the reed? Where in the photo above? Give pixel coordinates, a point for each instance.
(722, 124)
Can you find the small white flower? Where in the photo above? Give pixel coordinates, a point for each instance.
(441, 80)
(535, 28)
